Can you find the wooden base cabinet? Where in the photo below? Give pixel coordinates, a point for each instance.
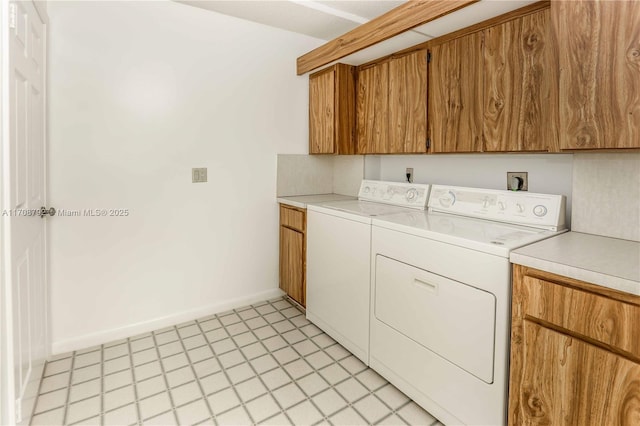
(293, 223)
(575, 352)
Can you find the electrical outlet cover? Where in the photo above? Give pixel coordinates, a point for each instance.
(518, 181)
(409, 173)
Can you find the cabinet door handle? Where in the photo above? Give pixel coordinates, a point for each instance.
(427, 285)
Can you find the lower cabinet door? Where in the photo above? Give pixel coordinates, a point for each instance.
(567, 381)
(292, 263)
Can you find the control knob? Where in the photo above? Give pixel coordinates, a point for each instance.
(448, 199)
(520, 208)
(540, 210)
(411, 195)
(502, 205)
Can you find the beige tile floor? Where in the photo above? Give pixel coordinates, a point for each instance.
(262, 364)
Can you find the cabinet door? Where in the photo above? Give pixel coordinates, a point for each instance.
(455, 95)
(322, 113)
(599, 45)
(566, 381)
(408, 103)
(292, 263)
(519, 90)
(372, 107)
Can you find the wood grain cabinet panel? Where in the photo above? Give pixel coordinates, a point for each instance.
(566, 381)
(520, 85)
(372, 106)
(293, 218)
(575, 356)
(408, 103)
(392, 105)
(293, 253)
(599, 92)
(332, 110)
(455, 95)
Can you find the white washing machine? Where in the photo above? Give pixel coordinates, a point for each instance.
(441, 297)
(339, 256)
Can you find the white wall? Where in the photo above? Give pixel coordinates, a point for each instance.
(300, 174)
(548, 173)
(141, 92)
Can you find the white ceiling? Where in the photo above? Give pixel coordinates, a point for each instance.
(329, 19)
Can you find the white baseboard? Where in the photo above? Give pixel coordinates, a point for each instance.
(106, 336)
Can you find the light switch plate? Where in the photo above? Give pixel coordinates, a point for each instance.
(199, 175)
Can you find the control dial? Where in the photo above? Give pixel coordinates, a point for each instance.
(447, 199)
(520, 208)
(502, 205)
(540, 210)
(411, 195)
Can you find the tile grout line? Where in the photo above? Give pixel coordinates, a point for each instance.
(224, 369)
(350, 375)
(193, 370)
(135, 382)
(325, 417)
(281, 365)
(33, 410)
(370, 392)
(258, 375)
(101, 385)
(289, 345)
(164, 376)
(303, 357)
(234, 336)
(66, 404)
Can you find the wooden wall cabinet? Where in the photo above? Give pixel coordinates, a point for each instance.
(575, 352)
(520, 85)
(372, 109)
(332, 110)
(455, 95)
(392, 106)
(494, 90)
(293, 224)
(599, 44)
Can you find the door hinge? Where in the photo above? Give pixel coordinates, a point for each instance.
(428, 57)
(428, 143)
(12, 15)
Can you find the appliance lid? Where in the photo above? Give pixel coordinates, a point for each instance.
(476, 234)
(357, 207)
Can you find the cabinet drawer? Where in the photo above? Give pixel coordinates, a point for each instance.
(292, 218)
(591, 316)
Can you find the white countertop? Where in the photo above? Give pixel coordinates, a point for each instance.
(301, 201)
(609, 262)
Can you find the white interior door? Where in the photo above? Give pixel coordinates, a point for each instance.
(23, 193)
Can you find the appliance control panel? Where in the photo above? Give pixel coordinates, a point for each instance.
(544, 211)
(404, 194)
